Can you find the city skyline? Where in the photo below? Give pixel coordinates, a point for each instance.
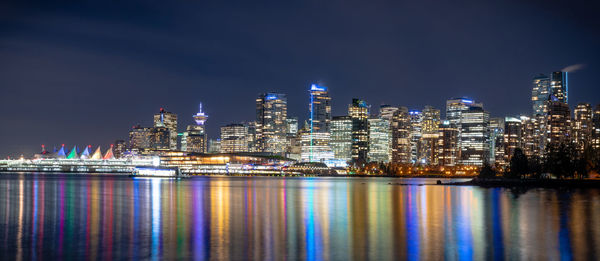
(108, 55)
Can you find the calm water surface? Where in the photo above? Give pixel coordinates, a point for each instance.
(74, 217)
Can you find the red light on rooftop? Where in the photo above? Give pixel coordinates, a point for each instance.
(89, 146)
(63, 145)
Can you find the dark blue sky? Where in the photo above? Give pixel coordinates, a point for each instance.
(85, 73)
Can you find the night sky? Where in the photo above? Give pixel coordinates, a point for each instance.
(83, 74)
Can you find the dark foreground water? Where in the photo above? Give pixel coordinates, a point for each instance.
(76, 217)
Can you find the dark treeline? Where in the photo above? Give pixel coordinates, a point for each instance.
(561, 161)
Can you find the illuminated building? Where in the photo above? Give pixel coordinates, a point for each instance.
(214, 146)
(582, 126)
(271, 115)
(474, 136)
(497, 142)
(252, 139)
(149, 138)
(291, 126)
(119, 148)
(319, 108)
(294, 146)
(540, 94)
(401, 127)
(341, 138)
(194, 138)
(315, 147)
(559, 87)
(558, 123)
(447, 144)
(359, 113)
(416, 119)
(167, 120)
(596, 128)
(428, 153)
(531, 136)
(380, 139)
(512, 137)
(233, 138)
(387, 112)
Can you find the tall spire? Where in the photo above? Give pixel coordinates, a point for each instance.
(200, 117)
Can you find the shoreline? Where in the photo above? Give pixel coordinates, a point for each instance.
(529, 183)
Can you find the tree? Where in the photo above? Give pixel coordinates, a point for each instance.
(518, 164)
(535, 166)
(487, 171)
(560, 160)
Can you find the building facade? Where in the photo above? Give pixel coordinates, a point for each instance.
(401, 136)
(341, 138)
(234, 138)
(380, 139)
(359, 113)
(582, 126)
(271, 116)
(168, 120)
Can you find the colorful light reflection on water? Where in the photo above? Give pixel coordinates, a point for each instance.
(299, 218)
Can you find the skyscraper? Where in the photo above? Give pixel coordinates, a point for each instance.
(596, 128)
(271, 115)
(387, 112)
(531, 136)
(359, 112)
(416, 120)
(540, 94)
(512, 137)
(496, 142)
(141, 138)
(401, 136)
(319, 108)
(341, 138)
(380, 138)
(558, 123)
(428, 153)
(447, 144)
(234, 138)
(474, 136)
(168, 120)
(582, 126)
(559, 87)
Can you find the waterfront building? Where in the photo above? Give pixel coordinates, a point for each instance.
(315, 147)
(512, 137)
(474, 136)
(149, 138)
(559, 87)
(359, 113)
(319, 108)
(540, 94)
(416, 120)
(582, 126)
(447, 144)
(252, 138)
(194, 139)
(341, 138)
(387, 112)
(558, 123)
(214, 145)
(428, 152)
(380, 139)
(233, 138)
(271, 115)
(401, 136)
(119, 149)
(167, 120)
(497, 142)
(291, 126)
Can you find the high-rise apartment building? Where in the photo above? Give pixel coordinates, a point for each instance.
(496, 130)
(271, 116)
(540, 94)
(149, 138)
(401, 153)
(447, 144)
(559, 87)
(234, 138)
(416, 120)
(387, 112)
(512, 137)
(168, 120)
(428, 153)
(359, 112)
(595, 141)
(582, 126)
(531, 136)
(558, 122)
